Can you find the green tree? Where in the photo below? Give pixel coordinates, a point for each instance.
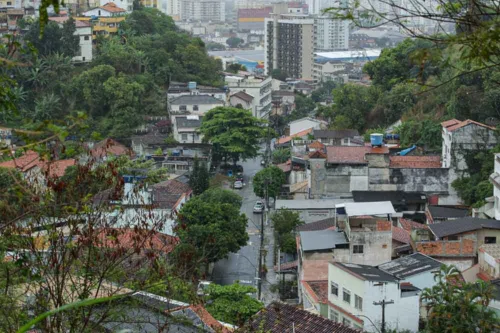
(234, 42)
(232, 304)
(208, 231)
(222, 196)
(234, 132)
(148, 21)
(278, 74)
(267, 182)
(234, 68)
(284, 222)
(304, 106)
(281, 155)
(425, 133)
(69, 40)
(199, 181)
(214, 46)
(456, 306)
(55, 39)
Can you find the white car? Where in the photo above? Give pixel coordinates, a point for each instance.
(238, 185)
(258, 207)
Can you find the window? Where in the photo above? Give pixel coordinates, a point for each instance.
(83, 58)
(99, 13)
(358, 302)
(195, 107)
(490, 240)
(86, 37)
(347, 296)
(452, 238)
(357, 248)
(346, 322)
(9, 3)
(184, 137)
(334, 315)
(334, 288)
(182, 108)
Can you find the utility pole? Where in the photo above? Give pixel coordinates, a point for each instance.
(383, 303)
(261, 251)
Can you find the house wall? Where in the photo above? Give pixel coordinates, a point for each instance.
(85, 35)
(482, 233)
(489, 264)
(461, 263)
(202, 108)
(259, 89)
(422, 280)
(98, 12)
(303, 124)
(496, 188)
(377, 247)
(345, 178)
(124, 4)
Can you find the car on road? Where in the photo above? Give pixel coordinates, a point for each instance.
(239, 177)
(262, 162)
(258, 207)
(238, 185)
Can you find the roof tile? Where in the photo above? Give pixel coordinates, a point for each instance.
(296, 135)
(352, 155)
(415, 162)
(400, 235)
(452, 127)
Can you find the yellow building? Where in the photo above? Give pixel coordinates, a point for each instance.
(103, 25)
(150, 3)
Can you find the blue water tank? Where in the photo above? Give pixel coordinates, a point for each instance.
(191, 85)
(377, 139)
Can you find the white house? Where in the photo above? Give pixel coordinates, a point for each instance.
(258, 87)
(110, 9)
(495, 180)
(302, 124)
(356, 292)
(177, 89)
(245, 100)
(84, 33)
(459, 138)
(194, 104)
(185, 128)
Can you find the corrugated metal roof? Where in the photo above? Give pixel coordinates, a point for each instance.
(321, 240)
(410, 265)
(369, 208)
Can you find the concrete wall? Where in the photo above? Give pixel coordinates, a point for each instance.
(487, 233)
(202, 108)
(303, 124)
(416, 180)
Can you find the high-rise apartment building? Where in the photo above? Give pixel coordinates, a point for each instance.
(203, 10)
(289, 45)
(331, 34)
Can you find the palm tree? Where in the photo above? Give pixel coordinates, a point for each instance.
(46, 107)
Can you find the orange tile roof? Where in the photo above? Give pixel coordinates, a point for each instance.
(483, 276)
(454, 124)
(140, 238)
(316, 145)
(58, 168)
(317, 289)
(109, 147)
(409, 225)
(296, 135)
(208, 319)
(317, 154)
(401, 235)
(352, 155)
(24, 162)
(286, 167)
(415, 162)
(112, 8)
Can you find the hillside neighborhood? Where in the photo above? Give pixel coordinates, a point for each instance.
(249, 166)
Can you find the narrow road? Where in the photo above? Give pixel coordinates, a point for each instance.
(243, 265)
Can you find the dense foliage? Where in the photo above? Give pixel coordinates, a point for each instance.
(125, 81)
(284, 223)
(267, 182)
(199, 180)
(232, 304)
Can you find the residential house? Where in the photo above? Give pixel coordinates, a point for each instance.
(185, 129)
(457, 241)
(194, 104)
(145, 312)
(109, 9)
(256, 86)
(306, 123)
(417, 269)
(401, 201)
(326, 71)
(288, 140)
(310, 210)
(245, 100)
(84, 33)
(106, 148)
(355, 292)
(315, 296)
(495, 180)
(284, 318)
(401, 242)
(128, 5)
(489, 261)
(177, 89)
(459, 139)
(283, 102)
(366, 168)
(103, 25)
(37, 170)
(347, 137)
(160, 202)
(437, 214)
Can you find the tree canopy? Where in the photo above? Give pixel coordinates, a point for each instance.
(268, 182)
(284, 222)
(234, 132)
(199, 180)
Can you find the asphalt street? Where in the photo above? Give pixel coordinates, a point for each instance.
(243, 265)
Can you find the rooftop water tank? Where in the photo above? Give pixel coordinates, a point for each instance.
(192, 85)
(377, 139)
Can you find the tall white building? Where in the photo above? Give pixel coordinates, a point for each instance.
(257, 87)
(331, 34)
(173, 8)
(289, 45)
(203, 10)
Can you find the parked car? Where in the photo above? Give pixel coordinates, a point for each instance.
(238, 185)
(258, 207)
(239, 177)
(262, 162)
